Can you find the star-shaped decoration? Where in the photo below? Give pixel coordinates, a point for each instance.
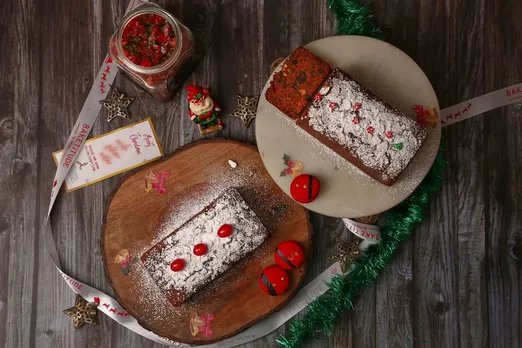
(246, 109)
(345, 253)
(83, 312)
(117, 105)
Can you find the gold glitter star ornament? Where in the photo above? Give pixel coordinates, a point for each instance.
(83, 312)
(345, 253)
(246, 109)
(117, 105)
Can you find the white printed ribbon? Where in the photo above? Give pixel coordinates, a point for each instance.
(371, 234)
(107, 304)
(450, 115)
(74, 144)
(479, 105)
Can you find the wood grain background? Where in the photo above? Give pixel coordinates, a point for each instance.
(457, 283)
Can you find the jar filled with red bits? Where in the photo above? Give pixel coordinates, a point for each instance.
(153, 48)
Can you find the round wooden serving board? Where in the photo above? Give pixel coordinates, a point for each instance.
(198, 173)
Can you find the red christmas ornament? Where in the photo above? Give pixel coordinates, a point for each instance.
(224, 231)
(289, 255)
(357, 106)
(418, 109)
(427, 117)
(305, 188)
(370, 130)
(177, 265)
(274, 280)
(200, 249)
(318, 97)
(389, 134)
(355, 120)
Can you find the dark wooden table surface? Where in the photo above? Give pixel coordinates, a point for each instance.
(456, 283)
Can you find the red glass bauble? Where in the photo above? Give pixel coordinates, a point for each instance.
(274, 280)
(305, 188)
(289, 255)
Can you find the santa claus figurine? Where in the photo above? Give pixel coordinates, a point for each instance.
(203, 110)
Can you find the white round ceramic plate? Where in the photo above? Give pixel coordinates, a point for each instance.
(345, 190)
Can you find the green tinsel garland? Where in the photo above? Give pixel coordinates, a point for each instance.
(324, 312)
(354, 18)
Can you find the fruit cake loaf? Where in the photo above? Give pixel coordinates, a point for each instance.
(174, 263)
(362, 128)
(292, 88)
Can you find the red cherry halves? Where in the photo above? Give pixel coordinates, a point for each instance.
(200, 249)
(177, 265)
(224, 231)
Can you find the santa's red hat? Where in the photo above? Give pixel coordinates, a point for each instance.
(196, 93)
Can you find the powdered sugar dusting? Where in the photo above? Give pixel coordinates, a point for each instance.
(382, 138)
(269, 208)
(248, 234)
(321, 153)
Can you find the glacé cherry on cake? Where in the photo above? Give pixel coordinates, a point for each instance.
(362, 128)
(199, 268)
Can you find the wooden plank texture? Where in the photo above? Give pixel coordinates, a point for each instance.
(503, 179)
(457, 283)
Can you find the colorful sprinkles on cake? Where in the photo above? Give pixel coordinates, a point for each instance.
(382, 138)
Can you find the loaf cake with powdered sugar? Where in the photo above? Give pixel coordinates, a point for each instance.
(179, 285)
(362, 128)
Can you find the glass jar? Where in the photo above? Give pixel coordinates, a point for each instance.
(136, 50)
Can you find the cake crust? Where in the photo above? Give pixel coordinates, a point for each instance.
(362, 128)
(292, 88)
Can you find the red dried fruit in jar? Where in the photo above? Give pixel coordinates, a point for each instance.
(154, 49)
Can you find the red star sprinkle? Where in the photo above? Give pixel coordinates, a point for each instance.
(357, 106)
(355, 120)
(370, 130)
(318, 97)
(389, 134)
(333, 106)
